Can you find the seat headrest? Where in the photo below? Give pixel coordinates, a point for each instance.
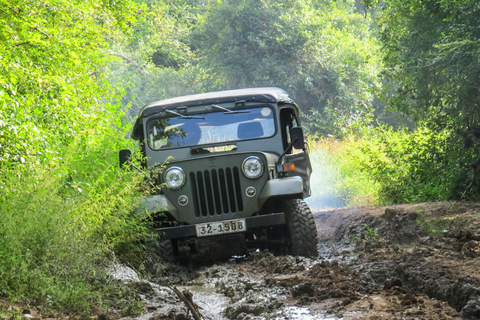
(250, 130)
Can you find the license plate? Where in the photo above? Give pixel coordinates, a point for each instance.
(222, 227)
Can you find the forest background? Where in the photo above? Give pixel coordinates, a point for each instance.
(389, 90)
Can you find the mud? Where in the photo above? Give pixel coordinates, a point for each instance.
(398, 262)
(430, 248)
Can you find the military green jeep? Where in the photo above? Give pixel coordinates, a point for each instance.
(235, 173)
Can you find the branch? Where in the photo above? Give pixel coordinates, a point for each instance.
(476, 142)
(36, 26)
(186, 297)
(474, 177)
(474, 138)
(23, 43)
(136, 96)
(129, 61)
(42, 32)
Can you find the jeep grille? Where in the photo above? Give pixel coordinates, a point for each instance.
(216, 191)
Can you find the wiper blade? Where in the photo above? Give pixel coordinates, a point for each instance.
(182, 116)
(213, 148)
(228, 111)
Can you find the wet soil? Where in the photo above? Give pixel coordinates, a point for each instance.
(397, 262)
(417, 261)
(428, 249)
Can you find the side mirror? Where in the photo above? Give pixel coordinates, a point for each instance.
(296, 134)
(124, 157)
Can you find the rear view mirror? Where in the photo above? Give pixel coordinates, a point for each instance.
(296, 135)
(124, 156)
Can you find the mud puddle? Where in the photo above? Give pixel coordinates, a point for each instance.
(253, 288)
(399, 262)
(212, 304)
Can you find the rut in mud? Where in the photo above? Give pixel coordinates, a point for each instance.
(430, 248)
(398, 262)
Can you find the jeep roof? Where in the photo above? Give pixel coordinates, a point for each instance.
(266, 94)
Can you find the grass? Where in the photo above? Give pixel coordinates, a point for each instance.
(338, 180)
(62, 225)
(62, 222)
(450, 220)
(381, 166)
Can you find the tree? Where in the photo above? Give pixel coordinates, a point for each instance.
(65, 205)
(157, 61)
(49, 84)
(432, 49)
(322, 53)
(432, 54)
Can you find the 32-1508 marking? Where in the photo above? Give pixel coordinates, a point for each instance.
(222, 227)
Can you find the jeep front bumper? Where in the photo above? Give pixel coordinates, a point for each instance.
(267, 220)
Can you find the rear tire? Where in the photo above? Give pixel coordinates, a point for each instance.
(301, 229)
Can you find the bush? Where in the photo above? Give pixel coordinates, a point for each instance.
(337, 179)
(64, 203)
(61, 224)
(383, 166)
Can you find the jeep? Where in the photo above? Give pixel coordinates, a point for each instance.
(234, 172)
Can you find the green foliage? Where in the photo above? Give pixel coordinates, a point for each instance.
(432, 49)
(157, 62)
(65, 206)
(338, 178)
(68, 67)
(325, 176)
(61, 224)
(385, 166)
(322, 53)
(48, 82)
(370, 234)
(433, 225)
(455, 220)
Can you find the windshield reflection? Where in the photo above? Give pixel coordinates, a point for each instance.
(216, 127)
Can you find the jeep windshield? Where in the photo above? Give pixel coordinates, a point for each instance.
(210, 128)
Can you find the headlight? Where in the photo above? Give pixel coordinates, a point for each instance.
(174, 178)
(252, 167)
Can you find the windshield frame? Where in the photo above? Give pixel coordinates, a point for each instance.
(208, 110)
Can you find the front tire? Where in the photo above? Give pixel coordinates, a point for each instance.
(301, 229)
(165, 251)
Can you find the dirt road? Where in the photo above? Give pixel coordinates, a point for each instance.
(398, 262)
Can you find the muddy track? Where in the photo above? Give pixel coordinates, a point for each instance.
(444, 265)
(399, 262)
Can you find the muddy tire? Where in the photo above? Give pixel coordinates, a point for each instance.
(165, 251)
(301, 228)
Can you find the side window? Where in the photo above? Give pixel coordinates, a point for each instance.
(288, 120)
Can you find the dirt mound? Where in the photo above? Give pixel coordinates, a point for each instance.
(329, 289)
(432, 248)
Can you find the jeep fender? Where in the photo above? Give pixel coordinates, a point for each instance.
(289, 186)
(156, 203)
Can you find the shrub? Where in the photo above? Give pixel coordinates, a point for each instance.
(338, 178)
(61, 224)
(383, 166)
